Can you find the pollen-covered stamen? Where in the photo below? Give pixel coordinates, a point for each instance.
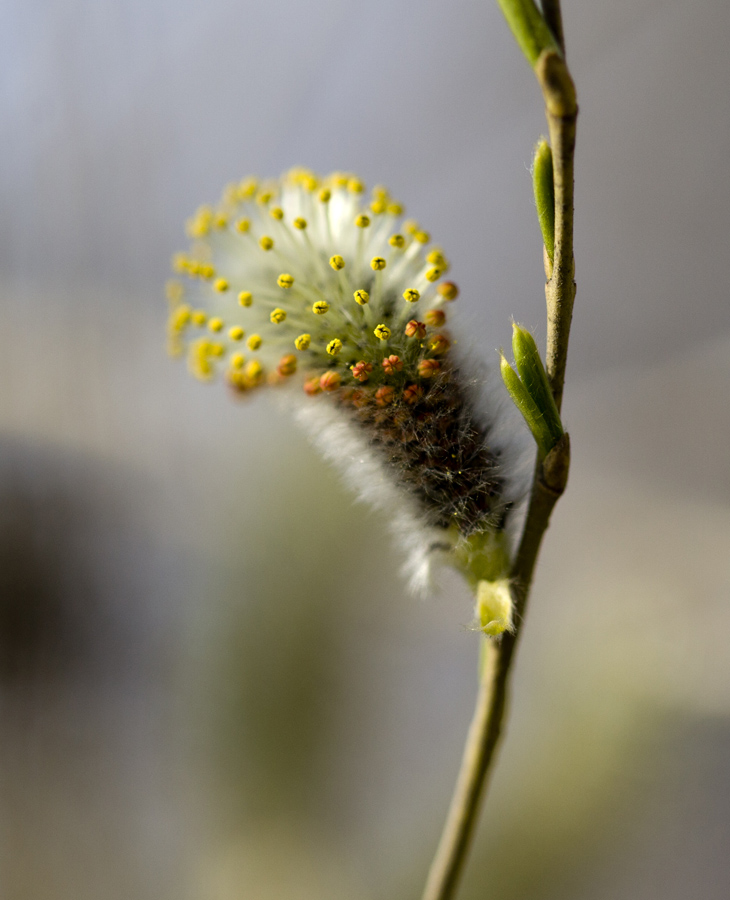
(316, 280)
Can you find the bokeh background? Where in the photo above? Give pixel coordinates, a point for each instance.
(213, 684)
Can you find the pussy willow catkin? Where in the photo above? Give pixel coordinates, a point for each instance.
(305, 282)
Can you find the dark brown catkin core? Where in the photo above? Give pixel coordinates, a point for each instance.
(436, 447)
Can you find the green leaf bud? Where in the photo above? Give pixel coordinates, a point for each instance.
(533, 377)
(544, 189)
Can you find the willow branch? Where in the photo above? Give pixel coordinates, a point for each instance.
(549, 481)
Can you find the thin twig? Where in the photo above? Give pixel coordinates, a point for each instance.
(548, 485)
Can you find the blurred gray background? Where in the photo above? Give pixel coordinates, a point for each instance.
(213, 684)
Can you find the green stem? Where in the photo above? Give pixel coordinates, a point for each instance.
(548, 484)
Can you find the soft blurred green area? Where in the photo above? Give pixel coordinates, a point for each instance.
(214, 684)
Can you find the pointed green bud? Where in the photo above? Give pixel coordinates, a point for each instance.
(534, 379)
(527, 406)
(494, 607)
(528, 27)
(542, 184)
(530, 390)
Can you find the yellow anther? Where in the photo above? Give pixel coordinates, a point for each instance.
(378, 207)
(199, 360)
(220, 221)
(247, 188)
(325, 195)
(277, 213)
(309, 183)
(436, 258)
(433, 274)
(237, 361)
(303, 341)
(243, 225)
(254, 372)
(382, 332)
(423, 237)
(221, 285)
(337, 262)
(339, 179)
(411, 295)
(300, 223)
(216, 349)
(245, 298)
(254, 342)
(397, 240)
(266, 243)
(362, 221)
(277, 315)
(381, 192)
(179, 318)
(285, 281)
(320, 307)
(215, 324)
(264, 198)
(199, 318)
(410, 226)
(361, 297)
(396, 209)
(206, 272)
(334, 346)
(236, 333)
(377, 263)
(355, 186)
